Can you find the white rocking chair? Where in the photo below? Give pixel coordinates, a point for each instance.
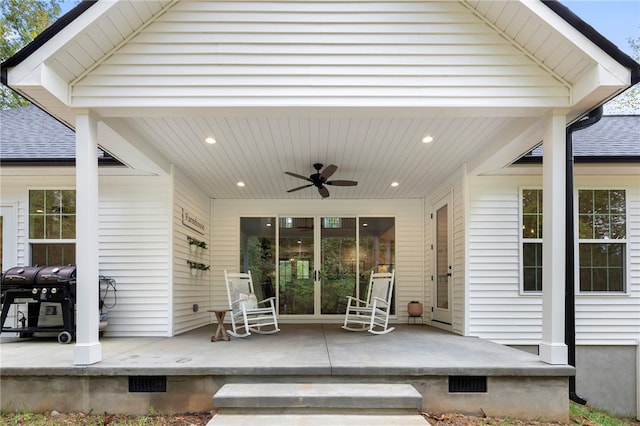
(247, 314)
(372, 314)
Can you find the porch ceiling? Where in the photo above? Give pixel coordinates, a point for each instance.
(373, 148)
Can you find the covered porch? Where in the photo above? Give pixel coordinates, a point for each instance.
(182, 373)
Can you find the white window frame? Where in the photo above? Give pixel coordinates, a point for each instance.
(522, 240)
(31, 241)
(577, 241)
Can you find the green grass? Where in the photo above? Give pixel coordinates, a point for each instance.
(582, 414)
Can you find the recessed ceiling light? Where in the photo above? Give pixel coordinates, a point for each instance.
(240, 184)
(210, 140)
(395, 184)
(427, 139)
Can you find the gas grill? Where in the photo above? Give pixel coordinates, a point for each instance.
(43, 287)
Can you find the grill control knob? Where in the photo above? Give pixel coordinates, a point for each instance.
(44, 291)
(34, 291)
(54, 290)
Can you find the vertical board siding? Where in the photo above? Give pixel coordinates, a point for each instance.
(134, 250)
(327, 53)
(188, 289)
(409, 237)
(497, 309)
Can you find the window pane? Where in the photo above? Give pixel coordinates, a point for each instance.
(615, 256)
(36, 202)
(69, 202)
(532, 266)
(618, 227)
(68, 226)
(52, 227)
(585, 279)
(617, 200)
(585, 202)
(585, 224)
(616, 279)
(530, 227)
(36, 226)
(531, 201)
(599, 279)
(601, 201)
(600, 226)
(257, 253)
(53, 201)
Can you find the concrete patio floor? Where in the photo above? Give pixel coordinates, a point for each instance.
(421, 355)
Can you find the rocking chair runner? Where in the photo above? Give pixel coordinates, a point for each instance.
(247, 314)
(372, 314)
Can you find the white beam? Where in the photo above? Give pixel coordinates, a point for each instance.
(88, 349)
(553, 349)
(124, 144)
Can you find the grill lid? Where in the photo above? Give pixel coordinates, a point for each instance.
(21, 275)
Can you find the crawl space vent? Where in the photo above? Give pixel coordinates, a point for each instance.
(467, 384)
(147, 383)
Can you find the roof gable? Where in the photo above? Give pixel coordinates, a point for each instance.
(319, 53)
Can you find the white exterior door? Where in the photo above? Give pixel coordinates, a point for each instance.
(442, 261)
(8, 238)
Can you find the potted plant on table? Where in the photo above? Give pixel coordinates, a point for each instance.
(414, 308)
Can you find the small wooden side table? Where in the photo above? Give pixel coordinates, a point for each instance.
(221, 333)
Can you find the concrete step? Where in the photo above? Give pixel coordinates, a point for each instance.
(321, 398)
(316, 420)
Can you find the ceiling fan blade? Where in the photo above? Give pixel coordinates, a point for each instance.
(342, 182)
(300, 187)
(328, 171)
(323, 191)
(298, 176)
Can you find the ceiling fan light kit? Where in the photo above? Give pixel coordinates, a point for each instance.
(320, 179)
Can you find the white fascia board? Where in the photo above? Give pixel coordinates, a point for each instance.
(502, 152)
(43, 77)
(130, 149)
(608, 64)
(57, 42)
(596, 81)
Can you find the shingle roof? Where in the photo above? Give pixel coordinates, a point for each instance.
(30, 135)
(614, 137)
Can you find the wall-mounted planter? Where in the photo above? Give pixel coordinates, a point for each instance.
(196, 246)
(197, 267)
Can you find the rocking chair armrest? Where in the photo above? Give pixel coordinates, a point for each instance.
(380, 300)
(356, 300)
(267, 300)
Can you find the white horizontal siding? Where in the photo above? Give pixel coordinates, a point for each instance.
(134, 250)
(497, 309)
(189, 290)
(409, 237)
(338, 53)
(133, 244)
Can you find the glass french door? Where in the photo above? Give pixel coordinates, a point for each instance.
(297, 266)
(320, 259)
(317, 264)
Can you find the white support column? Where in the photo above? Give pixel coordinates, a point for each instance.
(88, 349)
(553, 349)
